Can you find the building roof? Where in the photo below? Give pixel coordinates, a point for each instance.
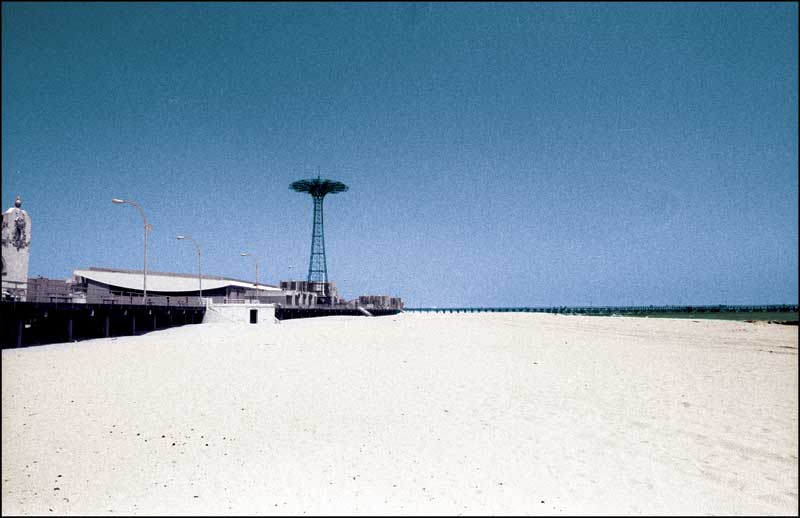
(164, 282)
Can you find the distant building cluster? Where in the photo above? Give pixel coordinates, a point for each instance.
(117, 286)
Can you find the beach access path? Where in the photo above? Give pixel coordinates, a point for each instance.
(509, 413)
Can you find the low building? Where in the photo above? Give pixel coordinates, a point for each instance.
(109, 285)
(42, 289)
(379, 302)
(324, 293)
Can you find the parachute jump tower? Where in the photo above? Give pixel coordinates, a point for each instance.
(318, 188)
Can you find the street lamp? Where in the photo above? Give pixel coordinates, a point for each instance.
(199, 263)
(247, 254)
(147, 228)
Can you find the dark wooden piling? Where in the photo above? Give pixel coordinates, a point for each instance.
(39, 323)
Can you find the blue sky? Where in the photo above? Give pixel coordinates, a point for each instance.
(497, 154)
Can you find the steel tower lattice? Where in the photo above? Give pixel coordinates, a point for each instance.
(318, 188)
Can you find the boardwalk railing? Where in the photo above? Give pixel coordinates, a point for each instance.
(136, 299)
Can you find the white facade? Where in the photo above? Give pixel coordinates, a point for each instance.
(245, 313)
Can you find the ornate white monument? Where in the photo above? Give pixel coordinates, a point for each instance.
(16, 241)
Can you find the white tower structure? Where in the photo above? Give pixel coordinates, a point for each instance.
(16, 240)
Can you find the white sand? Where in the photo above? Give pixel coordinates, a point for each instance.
(414, 414)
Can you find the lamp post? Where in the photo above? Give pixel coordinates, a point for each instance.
(147, 228)
(199, 263)
(247, 254)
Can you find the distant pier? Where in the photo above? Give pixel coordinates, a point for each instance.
(777, 312)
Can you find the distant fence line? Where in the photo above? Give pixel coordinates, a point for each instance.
(615, 310)
(116, 298)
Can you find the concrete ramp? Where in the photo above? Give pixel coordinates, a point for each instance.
(215, 315)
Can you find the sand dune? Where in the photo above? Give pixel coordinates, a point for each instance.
(413, 414)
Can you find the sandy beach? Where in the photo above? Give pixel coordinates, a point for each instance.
(410, 414)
